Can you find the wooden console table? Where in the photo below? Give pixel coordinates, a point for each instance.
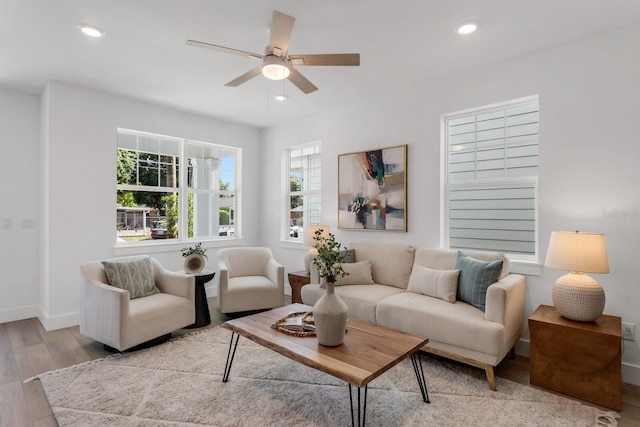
(297, 280)
(581, 359)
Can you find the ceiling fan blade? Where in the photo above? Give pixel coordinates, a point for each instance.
(326, 59)
(281, 28)
(223, 49)
(301, 81)
(246, 76)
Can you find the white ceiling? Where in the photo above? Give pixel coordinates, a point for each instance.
(402, 44)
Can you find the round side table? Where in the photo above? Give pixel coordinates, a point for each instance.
(203, 318)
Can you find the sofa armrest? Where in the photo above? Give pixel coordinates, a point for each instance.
(315, 274)
(275, 273)
(505, 303)
(103, 309)
(223, 278)
(174, 283)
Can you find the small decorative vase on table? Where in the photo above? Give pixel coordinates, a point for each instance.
(194, 258)
(193, 264)
(330, 313)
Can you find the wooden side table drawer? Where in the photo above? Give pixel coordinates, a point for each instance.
(297, 280)
(580, 359)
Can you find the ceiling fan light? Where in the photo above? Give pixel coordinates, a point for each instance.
(467, 28)
(91, 30)
(276, 68)
(275, 71)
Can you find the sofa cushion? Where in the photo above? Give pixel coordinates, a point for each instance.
(361, 300)
(358, 273)
(133, 274)
(441, 284)
(460, 324)
(148, 318)
(475, 277)
(390, 264)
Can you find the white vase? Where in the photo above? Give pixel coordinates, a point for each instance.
(193, 264)
(330, 316)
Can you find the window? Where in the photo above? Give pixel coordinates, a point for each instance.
(491, 179)
(171, 188)
(303, 189)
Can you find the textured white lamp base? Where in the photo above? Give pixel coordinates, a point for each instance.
(578, 297)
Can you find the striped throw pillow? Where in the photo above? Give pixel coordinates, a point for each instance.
(132, 274)
(475, 277)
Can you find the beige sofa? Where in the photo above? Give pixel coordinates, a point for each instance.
(457, 331)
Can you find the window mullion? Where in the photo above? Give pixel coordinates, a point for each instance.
(183, 195)
(127, 187)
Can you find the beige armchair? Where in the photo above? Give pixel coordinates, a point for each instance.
(249, 279)
(109, 316)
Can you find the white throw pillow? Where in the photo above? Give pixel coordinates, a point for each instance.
(359, 274)
(441, 284)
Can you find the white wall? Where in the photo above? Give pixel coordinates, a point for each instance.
(78, 151)
(19, 175)
(589, 149)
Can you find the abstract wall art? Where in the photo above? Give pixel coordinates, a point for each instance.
(372, 188)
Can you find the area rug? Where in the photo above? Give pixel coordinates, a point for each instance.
(179, 383)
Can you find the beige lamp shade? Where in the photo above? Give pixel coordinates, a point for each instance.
(577, 252)
(309, 234)
(576, 295)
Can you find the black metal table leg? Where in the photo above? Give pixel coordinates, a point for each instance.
(417, 367)
(230, 356)
(361, 416)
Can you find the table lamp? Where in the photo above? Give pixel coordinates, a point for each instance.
(576, 295)
(309, 234)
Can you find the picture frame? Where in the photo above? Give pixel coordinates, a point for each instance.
(372, 189)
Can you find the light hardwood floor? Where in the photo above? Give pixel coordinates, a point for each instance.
(26, 349)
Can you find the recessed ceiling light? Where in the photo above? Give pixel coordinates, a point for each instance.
(281, 97)
(91, 30)
(467, 28)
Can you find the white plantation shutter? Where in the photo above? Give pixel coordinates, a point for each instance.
(492, 171)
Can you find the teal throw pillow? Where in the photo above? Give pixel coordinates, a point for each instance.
(132, 274)
(349, 256)
(475, 277)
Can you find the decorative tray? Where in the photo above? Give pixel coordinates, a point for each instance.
(299, 324)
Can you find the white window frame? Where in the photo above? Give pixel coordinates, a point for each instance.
(183, 189)
(527, 181)
(305, 193)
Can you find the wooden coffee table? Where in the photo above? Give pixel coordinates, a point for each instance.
(368, 350)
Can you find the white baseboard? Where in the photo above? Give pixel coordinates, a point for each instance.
(19, 313)
(522, 348)
(30, 312)
(211, 291)
(59, 322)
(630, 372)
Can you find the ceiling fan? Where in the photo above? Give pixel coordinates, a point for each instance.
(277, 64)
